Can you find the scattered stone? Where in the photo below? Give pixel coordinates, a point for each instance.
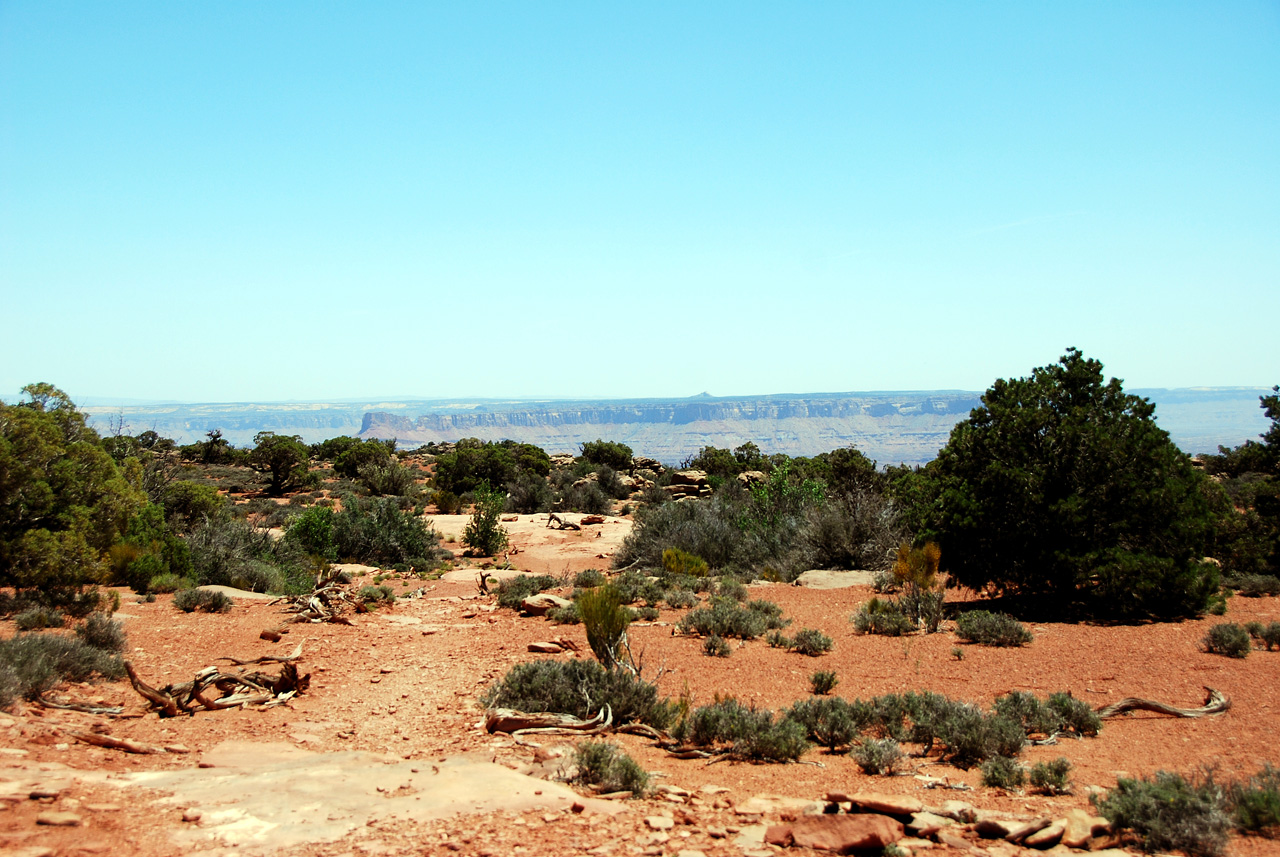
(192, 815)
(54, 818)
(927, 824)
(994, 828)
(1079, 827)
(958, 810)
(953, 840)
(1048, 837)
(660, 822)
(717, 832)
(540, 604)
(546, 648)
(1022, 831)
(886, 804)
(838, 833)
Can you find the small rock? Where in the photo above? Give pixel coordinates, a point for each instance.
(546, 648)
(540, 604)
(1047, 837)
(53, 818)
(1080, 827)
(659, 822)
(716, 832)
(838, 833)
(1022, 831)
(690, 852)
(994, 828)
(927, 824)
(886, 804)
(192, 815)
(957, 810)
(953, 840)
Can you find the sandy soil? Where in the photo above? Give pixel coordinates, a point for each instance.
(394, 698)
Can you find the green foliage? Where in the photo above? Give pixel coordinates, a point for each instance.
(605, 621)
(1001, 772)
(166, 583)
(1063, 488)
(214, 449)
(727, 618)
(513, 590)
(569, 615)
(205, 600)
(581, 688)
(855, 528)
(878, 756)
(313, 532)
(474, 462)
(607, 767)
(1053, 777)
(716, 647)
(33, 664)
(388, 477)
(62, 500)
(680, 599)
(747, 732)
(377, 531)
(1254, 804)
(589, 578)
(380, 594)
(1169, 813)
(1075, 714)
(882, 616)
(991, 629)
(484, 534)
(283, 458)
(38, 618)
(676, 561)
(609, 453)
(1228, 639)
(823, 682)
(188, 503)
(150, 548)
(831, 721)
(354, 455)
(102, 632)
(971, 736)
(811, 642)
(777, 640)
(1029, 712)
(1255, 585)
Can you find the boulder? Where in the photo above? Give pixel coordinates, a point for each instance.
(843, 834)
(1079, 827)
(540, 604)
(696, 478)
(1048, 837)
(886, 804)
(750, 477)
(651, 464)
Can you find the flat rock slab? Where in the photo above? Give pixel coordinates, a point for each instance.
(822, 579)
(472, 575)
(277, 796)
(241, 594)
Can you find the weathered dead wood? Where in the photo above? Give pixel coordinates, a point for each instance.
(265, 659)
(561, 523)
(511, 721)
(1215, 703)
(163, 702)
(111, 743)
(82, 707)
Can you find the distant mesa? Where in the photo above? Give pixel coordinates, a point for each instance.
(890, 427)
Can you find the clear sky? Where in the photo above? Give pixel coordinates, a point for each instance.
(241, 201)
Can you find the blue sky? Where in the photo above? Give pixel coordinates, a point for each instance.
(263, 201)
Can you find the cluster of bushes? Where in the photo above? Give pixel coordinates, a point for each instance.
(1170, 812)
(1236, 641)
(32, 664)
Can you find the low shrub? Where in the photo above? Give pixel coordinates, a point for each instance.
(777, 640)
(32, 664)
(676, 561)
(607, 767)
(811, 642)
(513, 590)
(1075, 714)
(972, 736)
(1001, 772)
(680, 599)
(1254, 804)
(208, 601)
(605, 620)
(163, 584)
(580, 688)
(831, 721)
(924, 607)
(1255, 585)
(878, 755)
(724, 617)
(1028, 712)
(747, 732)
(568, 615)
(588, 579)
(715, 647)
(1169, 813)
(992, 629)
(38, 618)
(1053, 777)
(1228, 639)
(823, 682)
(102, 632)
(647, 614)
(376, 594)
(882, 616)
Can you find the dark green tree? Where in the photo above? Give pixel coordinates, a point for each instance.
(62, 500)
(361, 454)
(608, 452)
(1061, 486)
(282, 457)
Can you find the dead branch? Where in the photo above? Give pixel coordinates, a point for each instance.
(234, 690)
(1215, 703)
(561, 523)
(163, 702)
(265, 659)
(82, 707)
(126, 744)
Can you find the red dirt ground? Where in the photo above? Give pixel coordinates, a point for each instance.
(404, 681)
